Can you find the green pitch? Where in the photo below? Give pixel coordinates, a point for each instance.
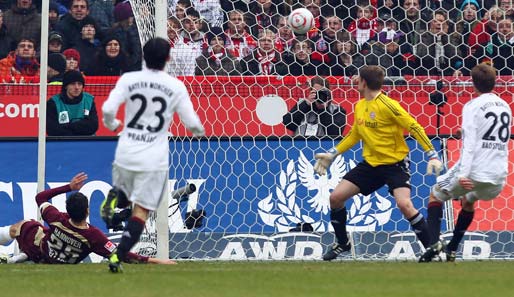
(284, 279)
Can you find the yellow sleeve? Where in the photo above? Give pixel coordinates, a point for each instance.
(351, 138)
(404, 119)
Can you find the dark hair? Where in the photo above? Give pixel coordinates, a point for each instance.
(76, 206)
(71, 4)
(190, 11)
(320, 81)
(156, 52)
(484, 77)
(373, 76)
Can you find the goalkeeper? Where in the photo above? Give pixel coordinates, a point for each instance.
(379, 122)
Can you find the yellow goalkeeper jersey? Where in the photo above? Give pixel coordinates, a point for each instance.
(380, 124)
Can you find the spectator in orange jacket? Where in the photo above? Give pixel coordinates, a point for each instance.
(22, 61)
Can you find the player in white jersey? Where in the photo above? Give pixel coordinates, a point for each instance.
(151, 96)
(481, 171)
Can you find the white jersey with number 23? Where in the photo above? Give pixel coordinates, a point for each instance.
(151, 97)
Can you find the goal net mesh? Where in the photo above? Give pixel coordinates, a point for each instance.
(257, 196)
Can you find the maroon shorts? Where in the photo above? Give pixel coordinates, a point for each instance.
(30, 235)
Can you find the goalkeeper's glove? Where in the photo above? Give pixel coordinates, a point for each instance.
(323, 161)
(434, 166)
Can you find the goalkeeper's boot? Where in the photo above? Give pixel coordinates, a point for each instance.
(115, 263)
(432, 252)
(4, 258)
(450, 256)
(335, 250)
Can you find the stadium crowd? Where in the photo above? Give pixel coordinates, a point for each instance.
(221, 37)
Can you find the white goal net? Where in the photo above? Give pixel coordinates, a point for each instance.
(257, 196)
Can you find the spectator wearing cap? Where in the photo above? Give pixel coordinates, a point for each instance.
(111, 59)
(71, 23)
(56, 68)
(73, 111)
(21, 61)
(53, 15)
(72, 59)
(436, 53)
(7, 43)
(87, 46)
(23, 20)
(55, 42)
(387, 54)
(125, 29)
(214, 59)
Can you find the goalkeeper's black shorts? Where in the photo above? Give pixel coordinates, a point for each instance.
(369, 178)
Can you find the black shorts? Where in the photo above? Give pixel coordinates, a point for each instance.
(369, 178)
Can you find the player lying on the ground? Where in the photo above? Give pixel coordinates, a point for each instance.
(69, 238)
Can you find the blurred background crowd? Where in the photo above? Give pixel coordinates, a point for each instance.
(221, 37)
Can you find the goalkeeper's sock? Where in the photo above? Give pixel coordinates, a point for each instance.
(130, 237)
(4, 235)
(435, 215)
(463, 221)
(338, 221)
(420, 227)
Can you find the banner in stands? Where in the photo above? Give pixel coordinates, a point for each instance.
(251, 106)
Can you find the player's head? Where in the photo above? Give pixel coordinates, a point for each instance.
(373, 77)
(484, 77)
(156, 52)
(77, 207)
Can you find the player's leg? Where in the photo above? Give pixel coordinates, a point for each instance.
(358, 180)
(481, 191)
(147, 191)
(117, 198)
(343, 191)
(397, 178)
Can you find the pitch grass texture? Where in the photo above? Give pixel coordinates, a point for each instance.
(284, 279)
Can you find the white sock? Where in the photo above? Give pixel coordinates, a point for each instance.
(22, 257)
(4, 235)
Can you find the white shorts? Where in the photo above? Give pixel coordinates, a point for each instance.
(447, 187)
(144, 188)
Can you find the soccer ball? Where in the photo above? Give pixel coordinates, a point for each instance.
(300, 20)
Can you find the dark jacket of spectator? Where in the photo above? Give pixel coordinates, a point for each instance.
(208, 64)
(72, 28)
(254, 65)
(7, 43)
(110, 66)
(24, 23)
(101, 12)
(393, 62)
(426, 53)
(305, 118)
(129, 38)
(88, 51)
(296, 67)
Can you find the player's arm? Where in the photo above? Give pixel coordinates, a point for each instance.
(42, 198)
(187, 113)
(404, 119)
(323, 160)
(112, 104)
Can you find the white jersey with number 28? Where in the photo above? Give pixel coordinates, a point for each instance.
(151, 97)
(486, 130)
